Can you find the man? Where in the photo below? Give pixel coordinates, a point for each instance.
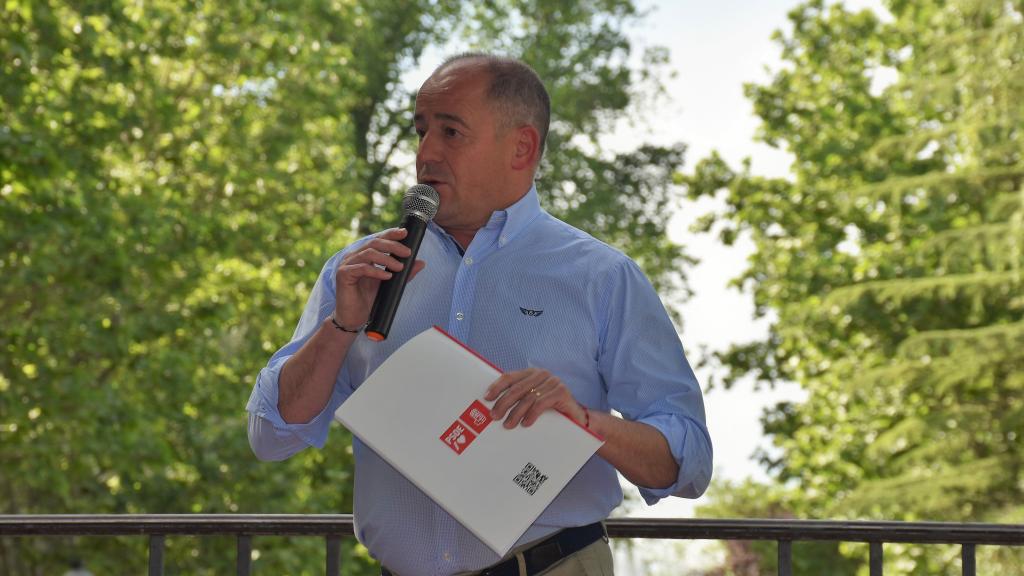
(573, 323)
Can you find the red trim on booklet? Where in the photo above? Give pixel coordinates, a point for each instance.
(468, 349)
(500, 371)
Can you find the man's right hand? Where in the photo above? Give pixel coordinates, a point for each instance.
(307, 378)
(358, 277)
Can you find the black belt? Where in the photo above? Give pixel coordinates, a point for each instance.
(545, 553)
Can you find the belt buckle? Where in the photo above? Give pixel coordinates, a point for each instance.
(542, 556)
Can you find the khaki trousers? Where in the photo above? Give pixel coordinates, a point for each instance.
(594, 560)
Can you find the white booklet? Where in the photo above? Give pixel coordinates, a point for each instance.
(423, 412)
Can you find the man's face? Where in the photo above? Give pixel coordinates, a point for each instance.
(461, 152)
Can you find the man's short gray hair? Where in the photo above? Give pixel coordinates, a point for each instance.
(516, 91)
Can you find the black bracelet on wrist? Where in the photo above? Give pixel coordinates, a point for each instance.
(349, 330)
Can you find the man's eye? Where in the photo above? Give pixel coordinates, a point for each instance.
(420, 133)
(449, 131)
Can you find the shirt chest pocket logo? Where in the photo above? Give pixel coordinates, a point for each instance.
(528, 312)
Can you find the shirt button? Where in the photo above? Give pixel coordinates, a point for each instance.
(447, 557)
(502, 240)
(469, 261)
(459, 315)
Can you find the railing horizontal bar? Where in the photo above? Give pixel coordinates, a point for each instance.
(667, 528)
(831, 530)
(129, 524)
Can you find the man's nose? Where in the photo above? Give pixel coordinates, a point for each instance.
(429, 150)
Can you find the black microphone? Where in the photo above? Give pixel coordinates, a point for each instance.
(419, 205)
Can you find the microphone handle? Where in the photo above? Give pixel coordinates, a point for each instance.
(385, 305)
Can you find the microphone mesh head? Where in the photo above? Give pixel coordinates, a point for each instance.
(422, 201)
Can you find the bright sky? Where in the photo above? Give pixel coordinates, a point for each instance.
(715, 48)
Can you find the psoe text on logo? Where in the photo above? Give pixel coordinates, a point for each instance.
(458, 437)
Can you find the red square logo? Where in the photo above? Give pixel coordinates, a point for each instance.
(477, 416)
(458, 437)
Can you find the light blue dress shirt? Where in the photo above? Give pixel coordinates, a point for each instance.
(530, 291)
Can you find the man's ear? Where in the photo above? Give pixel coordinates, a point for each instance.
(527, 149)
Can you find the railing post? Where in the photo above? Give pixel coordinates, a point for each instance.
(243, 558)
(785, 558)
(156, 555)
(875, 558)
(333, 555)
(967, 559)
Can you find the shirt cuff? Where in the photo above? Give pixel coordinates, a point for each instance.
(263, 403)
(690, 445)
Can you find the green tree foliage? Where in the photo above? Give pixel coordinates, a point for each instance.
(891, 260)
(173, 175)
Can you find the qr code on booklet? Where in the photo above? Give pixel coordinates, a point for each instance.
(530, 479)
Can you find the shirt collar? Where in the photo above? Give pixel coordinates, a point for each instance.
(517, 217)
(505, 224)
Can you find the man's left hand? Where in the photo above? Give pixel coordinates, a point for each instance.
(526, 394)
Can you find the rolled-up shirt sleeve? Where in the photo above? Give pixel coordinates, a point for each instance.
(650, 381)
(270, 437)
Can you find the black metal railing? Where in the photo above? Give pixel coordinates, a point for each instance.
(334, 527)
